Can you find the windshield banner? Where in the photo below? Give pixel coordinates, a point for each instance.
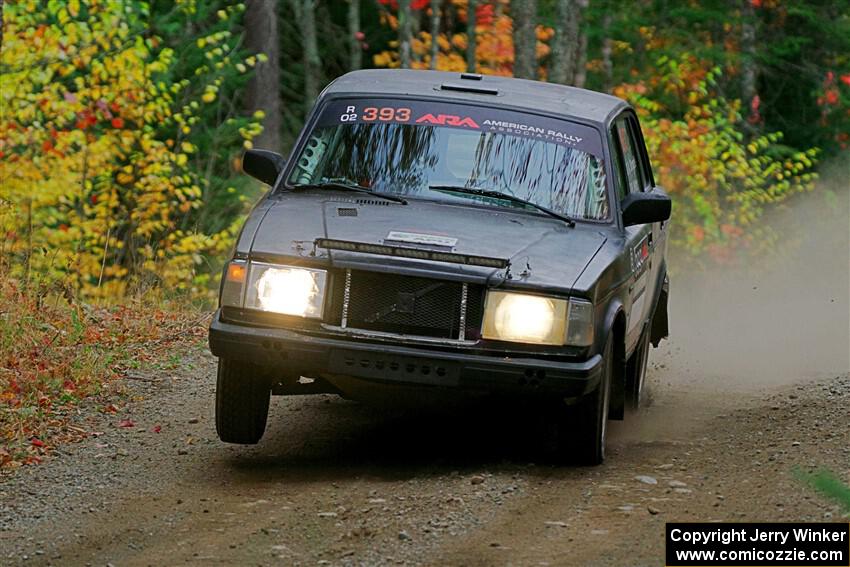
(463, 116)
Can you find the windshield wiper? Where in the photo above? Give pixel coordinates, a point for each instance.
(345, 185)
(505, 196)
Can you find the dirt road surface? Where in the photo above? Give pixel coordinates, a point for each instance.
(336, 483)
(751, 391)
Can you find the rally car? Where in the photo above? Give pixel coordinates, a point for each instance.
(449, 232)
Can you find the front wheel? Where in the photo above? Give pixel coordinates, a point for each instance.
(242, 397)
(582, 429)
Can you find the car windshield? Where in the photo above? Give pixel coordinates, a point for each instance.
(430, 150)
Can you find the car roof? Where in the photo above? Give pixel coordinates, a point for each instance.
(550, 98)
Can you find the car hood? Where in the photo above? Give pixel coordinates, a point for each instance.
(542, 251)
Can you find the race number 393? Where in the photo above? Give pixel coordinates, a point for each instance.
(758, 544)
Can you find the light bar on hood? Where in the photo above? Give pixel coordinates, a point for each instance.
(405, 252)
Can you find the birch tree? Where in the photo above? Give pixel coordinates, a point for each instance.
(405, 32)
(607, 53)
(354, 35)
(435, 32)
(748, 54)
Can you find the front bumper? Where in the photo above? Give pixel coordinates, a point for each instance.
(298, 354)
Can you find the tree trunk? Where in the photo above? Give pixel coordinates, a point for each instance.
(435, 32)
(305, 11)
(748, 54)
(499, 12)
(581, 60)
(263, 89)
(607, 50)
(562, 46)
(524, 14)
(355, 49)
(567, 48)
(471, 36)
(404, 33)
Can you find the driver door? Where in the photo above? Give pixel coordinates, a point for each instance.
(632, 178)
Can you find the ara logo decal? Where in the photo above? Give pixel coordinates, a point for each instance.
(640, 254)
(448, 120)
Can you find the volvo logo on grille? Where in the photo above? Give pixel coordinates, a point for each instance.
(406, 302)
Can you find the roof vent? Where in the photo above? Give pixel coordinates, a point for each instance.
(468, 89)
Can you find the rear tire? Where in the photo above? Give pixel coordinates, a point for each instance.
(242, 398)
(582, 429)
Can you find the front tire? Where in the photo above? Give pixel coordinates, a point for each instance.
(582, 429)
(242, 398)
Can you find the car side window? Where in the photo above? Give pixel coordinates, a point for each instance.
(617, 163)
(640, 154)
(630, 159)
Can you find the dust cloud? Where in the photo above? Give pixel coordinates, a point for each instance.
(780, 320)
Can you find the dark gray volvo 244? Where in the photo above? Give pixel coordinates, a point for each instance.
(470, 234)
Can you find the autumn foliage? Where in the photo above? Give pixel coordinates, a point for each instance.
(99, 191)
(494, 49)
(720, 178)
(115, 157)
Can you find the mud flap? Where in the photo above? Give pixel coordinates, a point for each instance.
(617, 404)
(659, 327)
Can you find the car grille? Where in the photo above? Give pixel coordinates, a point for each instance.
(393, 303)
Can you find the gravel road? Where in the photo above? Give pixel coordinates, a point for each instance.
(337, 483)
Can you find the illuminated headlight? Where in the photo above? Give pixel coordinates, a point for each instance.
(523, 318)
(286, 290)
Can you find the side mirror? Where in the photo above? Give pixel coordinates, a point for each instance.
(263, 165)
(644, 208)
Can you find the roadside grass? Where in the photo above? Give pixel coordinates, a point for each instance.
(55, 353)
(828, 484)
